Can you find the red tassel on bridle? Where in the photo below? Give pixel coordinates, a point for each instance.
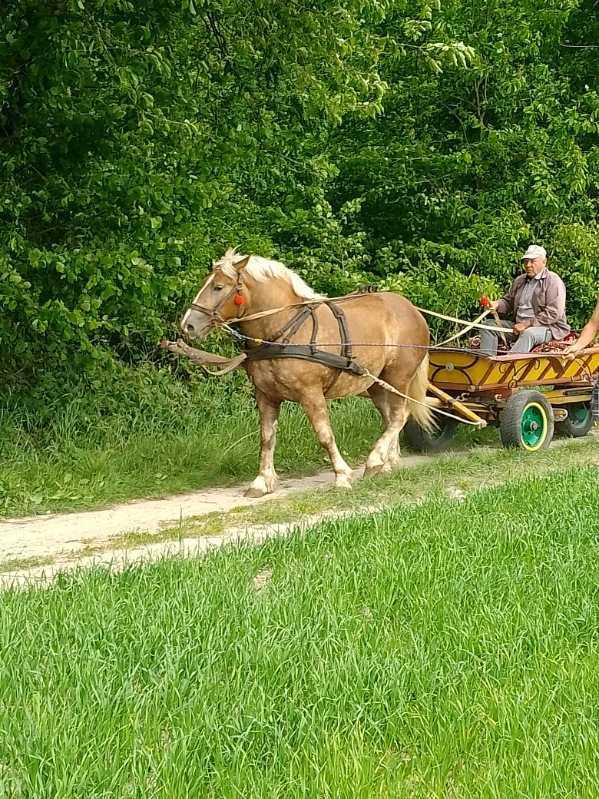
(239, 299)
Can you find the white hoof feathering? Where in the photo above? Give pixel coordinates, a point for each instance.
(343, 481)
(374, 464)
(262, 485)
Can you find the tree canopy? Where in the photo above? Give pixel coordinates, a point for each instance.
(413, 144)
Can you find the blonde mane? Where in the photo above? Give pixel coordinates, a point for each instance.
(263, 269)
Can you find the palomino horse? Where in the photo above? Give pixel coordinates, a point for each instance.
(242, 289)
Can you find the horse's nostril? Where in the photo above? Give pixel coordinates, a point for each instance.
(190, 328)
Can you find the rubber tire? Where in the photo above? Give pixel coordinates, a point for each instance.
(421, 441)
(570, 429)
(510, 422)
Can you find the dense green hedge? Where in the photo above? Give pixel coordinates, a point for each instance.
(413, 145)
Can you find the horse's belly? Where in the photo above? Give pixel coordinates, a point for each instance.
(346, 385)
(290, 379)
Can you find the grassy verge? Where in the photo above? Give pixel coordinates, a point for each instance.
(149, 435)
(141, 433)
(448, 649)
(450, 473)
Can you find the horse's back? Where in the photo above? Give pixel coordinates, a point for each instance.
(389, 313)
(383, 329)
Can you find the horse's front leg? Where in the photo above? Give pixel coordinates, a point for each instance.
(317, 412)
(267, 481)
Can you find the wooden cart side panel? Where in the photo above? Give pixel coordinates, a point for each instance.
(468, 371)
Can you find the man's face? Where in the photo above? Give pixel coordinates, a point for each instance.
(533, 266)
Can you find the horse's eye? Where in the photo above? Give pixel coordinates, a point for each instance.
(218, 288)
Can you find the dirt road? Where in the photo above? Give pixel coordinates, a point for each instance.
(40, 546)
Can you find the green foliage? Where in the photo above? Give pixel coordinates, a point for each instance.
(139, 140)
(468, 165)
(416, 145)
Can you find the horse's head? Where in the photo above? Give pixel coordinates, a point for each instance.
(222, 297)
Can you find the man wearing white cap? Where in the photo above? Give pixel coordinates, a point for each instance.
(535, 306)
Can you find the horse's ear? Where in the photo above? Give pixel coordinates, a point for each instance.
(243, 263)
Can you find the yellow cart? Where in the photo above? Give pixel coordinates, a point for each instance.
(528, 396)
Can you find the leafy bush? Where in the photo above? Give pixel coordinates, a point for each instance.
(415, 146)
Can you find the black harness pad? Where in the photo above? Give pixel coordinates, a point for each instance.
(310, 352)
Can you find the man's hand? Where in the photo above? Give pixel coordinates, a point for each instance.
(518, 328)
(485, 302)
(572, 351)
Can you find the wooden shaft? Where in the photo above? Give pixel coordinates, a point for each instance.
(459, 406)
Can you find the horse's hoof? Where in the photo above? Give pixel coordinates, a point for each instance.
(261, 486)
(254, 493)
(389, 467)
(343, 482)
(373, 471)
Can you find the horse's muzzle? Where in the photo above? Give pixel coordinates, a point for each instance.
(195, 325)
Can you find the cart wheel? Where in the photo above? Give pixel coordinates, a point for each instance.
(527, 421)
(435, 441)
(578, 423)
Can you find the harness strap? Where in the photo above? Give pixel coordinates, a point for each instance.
(203, 358)
(338, 313)
(305, 352)
(310, 352)
(313, 347)
(294, 324)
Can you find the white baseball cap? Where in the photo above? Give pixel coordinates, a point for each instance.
(534, 251)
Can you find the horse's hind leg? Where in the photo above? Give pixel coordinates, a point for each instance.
(380, 398)
(267, 481)
(385, 453)
(318, 413)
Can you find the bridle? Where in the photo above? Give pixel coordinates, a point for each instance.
(213, 313)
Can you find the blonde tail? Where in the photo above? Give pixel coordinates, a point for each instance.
(422, 414)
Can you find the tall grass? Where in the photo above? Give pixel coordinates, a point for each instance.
(447, 650)
(139, 432)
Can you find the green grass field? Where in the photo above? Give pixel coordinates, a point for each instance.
(141, 434)
(447, 650)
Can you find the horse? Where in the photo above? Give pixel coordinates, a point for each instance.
(348, 343)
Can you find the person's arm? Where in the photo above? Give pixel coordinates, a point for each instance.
(588, 335)
(505, 306)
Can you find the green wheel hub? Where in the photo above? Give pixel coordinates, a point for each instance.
(580, 414)
(527, 421)
(534, 426)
